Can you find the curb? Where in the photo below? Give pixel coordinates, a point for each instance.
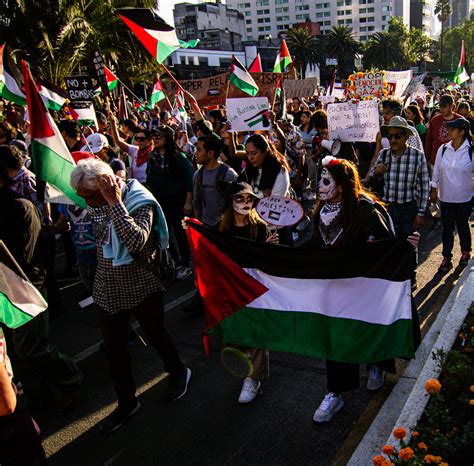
(408, 399)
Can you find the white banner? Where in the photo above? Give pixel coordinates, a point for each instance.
(351, 122)
(398, 80)
(248, 114)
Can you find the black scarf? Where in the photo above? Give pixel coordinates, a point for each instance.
(270, 170)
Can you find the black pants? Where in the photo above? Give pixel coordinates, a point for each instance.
(150, 315)
(455, 216)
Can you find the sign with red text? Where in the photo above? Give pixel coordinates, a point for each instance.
(368, 84)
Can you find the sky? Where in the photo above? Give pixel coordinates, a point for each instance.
(166, 9)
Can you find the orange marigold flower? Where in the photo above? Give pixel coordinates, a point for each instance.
(399, 433)
(360, 74)
(415, 434)
(388, 450)
(351, 77)
(428, 459)
(437, 459)
(471, 388)
(471, 402)
(432, 386)
(406, 454)
(378, 460)
(422, 446)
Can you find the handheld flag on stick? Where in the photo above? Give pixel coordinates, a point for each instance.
(256, 66)
(283, 59)
(53, 96)
(51, 158)
(157, 94)
(123, 109)
(10, 79)
(461, 74)
(241, 78)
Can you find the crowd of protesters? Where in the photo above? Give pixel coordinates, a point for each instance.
(141, 176)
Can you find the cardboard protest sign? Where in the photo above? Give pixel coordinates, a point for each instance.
(398, 81)
(367, 85)
(413, 85)
(300, 87)
(248, 114)
(280, 211)
(351, 122)
(79, 88)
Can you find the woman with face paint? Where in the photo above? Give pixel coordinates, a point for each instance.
(241, 219)
(348, 216)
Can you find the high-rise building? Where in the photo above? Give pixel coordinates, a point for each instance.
(422, 17)
(264, 18)
(461, 10)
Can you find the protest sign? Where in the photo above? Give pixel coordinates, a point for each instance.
(300, 87)
(327, 99)
(413, 85)
(398, 81)
(369, 84)
(248, 114)
(352, 122)
(79, 88)
(99, 69)
(339, 93)
(280, 211)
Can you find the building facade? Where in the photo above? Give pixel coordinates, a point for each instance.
(265, 18)
(461, 11)
(422, 17)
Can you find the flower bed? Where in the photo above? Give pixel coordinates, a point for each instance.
(445, 433)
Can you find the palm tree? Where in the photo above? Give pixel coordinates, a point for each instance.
(443, 10)
(303, 48)
(340, 43)
(382, 52)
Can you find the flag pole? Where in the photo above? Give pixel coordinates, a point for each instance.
(133, 94)
(276, 90)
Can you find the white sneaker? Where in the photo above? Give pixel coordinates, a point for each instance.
(250, 389)
(376, 378)
(328, 408)
(183, 273)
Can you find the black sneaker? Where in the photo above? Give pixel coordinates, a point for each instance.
(117, 418)
(177, 385)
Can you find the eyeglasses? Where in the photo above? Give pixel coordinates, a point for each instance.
(395, 136)
(140, 139)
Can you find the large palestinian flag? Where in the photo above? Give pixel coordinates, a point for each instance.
(10, 79)
(344, 305)
(158, 37)
(51, 158)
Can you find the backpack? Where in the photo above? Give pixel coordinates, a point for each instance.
(219, 186)
(445, 147)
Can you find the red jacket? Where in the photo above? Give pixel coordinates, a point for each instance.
(436, 136)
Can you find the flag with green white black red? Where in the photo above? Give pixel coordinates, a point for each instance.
(241, 78)
(157, 94)
(83, 113)
(51, 158)
(11, 81)
(283, 59)
(53, 96)
(112, 81)
(349, 305)
(158, 37)
(461, 74)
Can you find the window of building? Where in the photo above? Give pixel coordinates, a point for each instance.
(263, 12)
(348, 21)
(248, 21)
(279, 18)
(320, 15)
(327, 14)
(363, 29)
(203, 61)
(301, 7)
(348, 2)
(370, 10)
(261, 28)
(282, 27)
(300, 16)
(385, 9)
(249, 38)
(371, 28)
(362, 38)
(370, 19)
(384, 18)
(340, 21)
(243, 5)
(340, 3)
(327, 23)
(362, 2)
(280, 2)
(248, 13)
(249, 29)
(341, 13)
(263, 3)
(281, 10)
(362, 11)
(362, 20)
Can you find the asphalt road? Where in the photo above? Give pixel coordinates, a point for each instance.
(208, 426)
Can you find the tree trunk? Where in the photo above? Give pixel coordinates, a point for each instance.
(441, 47)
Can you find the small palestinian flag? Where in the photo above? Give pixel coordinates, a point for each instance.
(256, 66)
(51, 158)
(10, 79)
(83, 113)
(283, 59)
(20, 301)
(53, 96)
(158, 37)
(112, 81)
(461, 74)
(349, 305)
(157, 94)
(241, 78)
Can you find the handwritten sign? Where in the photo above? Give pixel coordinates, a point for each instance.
(413, 85)
(352, 122)
(368, 84)
(248, 114)
(79, 88)
(398, 81)
(327, 99)
(280, 211)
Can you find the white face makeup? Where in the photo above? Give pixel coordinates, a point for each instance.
(327, 186)
(242, 205)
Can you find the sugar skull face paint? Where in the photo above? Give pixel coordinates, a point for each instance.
(242, 204)
(327, 186)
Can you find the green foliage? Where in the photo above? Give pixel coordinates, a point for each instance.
(303, 48)
(340, 43)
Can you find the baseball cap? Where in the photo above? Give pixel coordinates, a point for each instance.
(96, 142)
(459, 123)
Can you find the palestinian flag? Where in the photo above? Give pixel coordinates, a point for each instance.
(51, 158)
(352, 305)
(461, 74)
(283, 59)
(53, 96)
(241, 78)
(157, 94)
(83, 113)
(256, 66)
(10, 79)
(112, 81)
(278, 87)
(158, 37)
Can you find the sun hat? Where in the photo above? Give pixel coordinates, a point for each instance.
(238, 188)
(400, 123)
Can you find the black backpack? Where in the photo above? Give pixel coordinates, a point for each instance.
(445, 147)
(219, 186)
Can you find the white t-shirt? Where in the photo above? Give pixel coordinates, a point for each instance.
(139, 173)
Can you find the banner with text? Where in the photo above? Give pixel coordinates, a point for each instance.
(300, 87)
(351, 122)
(398, 81)
(248, 114)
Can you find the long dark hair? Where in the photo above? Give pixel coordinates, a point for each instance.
(171, 149)
(309, 124)
(345, 175)
(262, 144)
(417, 112)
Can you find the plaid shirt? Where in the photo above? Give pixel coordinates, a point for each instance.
(123, 287)
(407, 178)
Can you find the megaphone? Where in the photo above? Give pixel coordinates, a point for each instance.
(333, 147)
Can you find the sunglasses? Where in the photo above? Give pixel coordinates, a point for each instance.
(395, 136)
(140, 139)
(243, 199)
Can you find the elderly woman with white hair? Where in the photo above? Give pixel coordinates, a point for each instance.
(129, 227)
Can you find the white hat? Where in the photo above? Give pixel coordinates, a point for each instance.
(95, 143)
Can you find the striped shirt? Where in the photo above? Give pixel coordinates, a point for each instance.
(407, 178)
